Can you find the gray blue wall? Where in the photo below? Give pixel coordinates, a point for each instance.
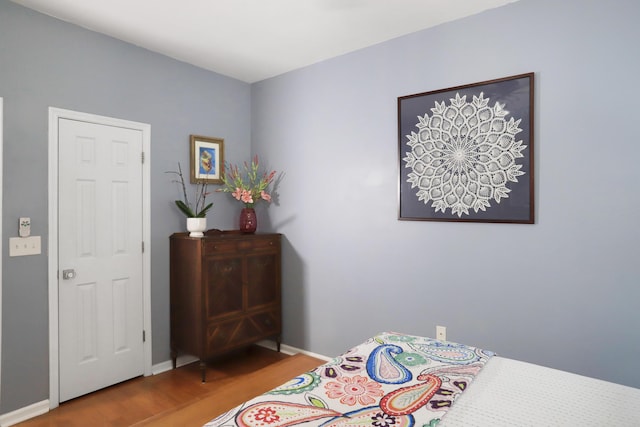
(564, 292)
(560, 293)
(45, 62)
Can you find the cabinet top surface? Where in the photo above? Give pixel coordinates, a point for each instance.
(223, 235)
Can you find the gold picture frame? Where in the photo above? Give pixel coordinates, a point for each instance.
(207, 159)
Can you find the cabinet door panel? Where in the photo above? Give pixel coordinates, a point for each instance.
(221, 336)
(268, 322)
(262, 286)
(224, 336)
(234, 333)
(223, 286)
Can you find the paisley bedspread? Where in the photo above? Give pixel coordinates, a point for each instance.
(390, 380)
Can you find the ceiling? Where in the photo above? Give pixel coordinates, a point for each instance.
(252, 40)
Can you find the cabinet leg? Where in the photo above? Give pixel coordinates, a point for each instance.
(174, 358)
(203, 371)
(278, 343)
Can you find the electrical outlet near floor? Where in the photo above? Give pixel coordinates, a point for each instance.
(441, 333)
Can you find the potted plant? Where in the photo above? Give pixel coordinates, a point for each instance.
(248, 187)
(196, 213)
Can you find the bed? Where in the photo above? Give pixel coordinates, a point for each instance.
(397, 380)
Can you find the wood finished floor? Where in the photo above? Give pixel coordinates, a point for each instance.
(178, 397)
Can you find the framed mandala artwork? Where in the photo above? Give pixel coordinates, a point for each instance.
(466, 153)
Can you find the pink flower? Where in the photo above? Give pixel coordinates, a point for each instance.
(237, 193)
(265, 196)
(352, 390)
(246, 196)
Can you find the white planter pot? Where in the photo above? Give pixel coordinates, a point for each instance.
(196, 226)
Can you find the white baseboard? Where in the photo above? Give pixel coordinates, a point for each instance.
(167, 365)
(287, 349)
(23, 414)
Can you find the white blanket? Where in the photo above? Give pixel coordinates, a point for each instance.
(511, 393)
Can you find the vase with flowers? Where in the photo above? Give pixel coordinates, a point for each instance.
(248, 187)
(197, 213)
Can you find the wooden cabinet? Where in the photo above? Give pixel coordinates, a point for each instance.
(225, 292)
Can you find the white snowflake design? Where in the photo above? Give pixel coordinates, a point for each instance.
(464, 155)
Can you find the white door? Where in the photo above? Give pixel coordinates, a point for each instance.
(100, 256)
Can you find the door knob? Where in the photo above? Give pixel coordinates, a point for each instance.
(68, 274)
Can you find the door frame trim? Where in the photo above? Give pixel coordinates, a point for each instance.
(1, 246)
(55, 114)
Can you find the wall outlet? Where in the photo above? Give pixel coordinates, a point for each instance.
(441, 333)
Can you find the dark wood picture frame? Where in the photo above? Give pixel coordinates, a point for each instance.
(466, 153)
(207, 159)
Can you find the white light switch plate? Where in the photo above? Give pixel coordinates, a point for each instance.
(19, 246)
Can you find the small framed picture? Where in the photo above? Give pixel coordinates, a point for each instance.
(207, 159)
